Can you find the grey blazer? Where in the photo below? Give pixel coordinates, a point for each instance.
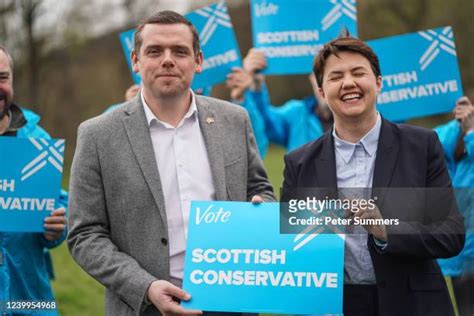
(117, 217)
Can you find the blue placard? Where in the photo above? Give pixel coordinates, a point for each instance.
(218, 44)
(290, 32)
(237, 260)
(421, 77)
(127, 41)
(30, 182)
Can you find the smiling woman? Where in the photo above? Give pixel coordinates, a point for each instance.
(349, 79)
(350, 88)
(366, 151)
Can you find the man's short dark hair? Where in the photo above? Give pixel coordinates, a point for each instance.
(344, 44)
(9, 56)
(166, 17)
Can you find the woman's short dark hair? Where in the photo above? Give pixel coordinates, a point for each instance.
(344, 44)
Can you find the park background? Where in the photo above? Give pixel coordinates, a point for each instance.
(69, 67)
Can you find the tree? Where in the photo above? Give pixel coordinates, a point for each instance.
(30, 10)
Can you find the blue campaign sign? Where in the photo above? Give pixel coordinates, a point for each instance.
(290, 32)
(30, 182)
(421, 77)
(218, 44)
(237, 260)
(126, 39)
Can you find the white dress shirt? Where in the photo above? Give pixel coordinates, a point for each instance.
(185, 175)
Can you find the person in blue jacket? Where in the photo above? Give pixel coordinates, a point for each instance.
(23, 268)
(238, 82)
(457, 139)
(292, 124)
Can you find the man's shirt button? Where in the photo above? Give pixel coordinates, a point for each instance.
(164, 241)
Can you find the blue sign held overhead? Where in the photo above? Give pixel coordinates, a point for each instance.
(218, 44)
(127, 41)
(238, 261)
(290, 32)
(30, 182)
(421, 77)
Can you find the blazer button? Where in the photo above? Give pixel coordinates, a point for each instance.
(164, 241)
(382, 284)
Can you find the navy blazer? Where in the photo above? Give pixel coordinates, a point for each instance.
(409, 280)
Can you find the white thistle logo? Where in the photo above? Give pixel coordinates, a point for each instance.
(311, 232)
(346, 7)
(439, 42)
(215, 16)
(49, 153)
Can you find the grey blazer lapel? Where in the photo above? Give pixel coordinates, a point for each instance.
(213, 134)
(138, 133)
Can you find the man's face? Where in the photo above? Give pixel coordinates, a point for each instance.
(6, 84)
(350, 86)
(166, 60)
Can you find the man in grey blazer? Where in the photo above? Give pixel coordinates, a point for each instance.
(137, 168)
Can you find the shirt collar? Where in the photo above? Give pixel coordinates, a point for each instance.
(369, 142)
(150, 116)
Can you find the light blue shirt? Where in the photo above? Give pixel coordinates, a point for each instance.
(355, 169)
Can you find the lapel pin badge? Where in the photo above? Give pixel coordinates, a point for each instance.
(209, 120)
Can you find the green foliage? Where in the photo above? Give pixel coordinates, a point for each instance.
(274, 166)
(76, 292)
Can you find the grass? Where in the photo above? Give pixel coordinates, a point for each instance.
(274, 166)
(76, 292)
(79, 294)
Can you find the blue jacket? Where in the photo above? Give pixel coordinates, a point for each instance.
(462, 175)
(291, 125)
(23, 268)
(258, 124)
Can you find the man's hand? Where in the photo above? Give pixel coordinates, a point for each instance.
(467, 124)
(463, 108)
(254, 61)
(161, 294)
(256, 199)
(464, 113)
(131, 92)
(379, 231)
(238, 82)
(55, 224)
